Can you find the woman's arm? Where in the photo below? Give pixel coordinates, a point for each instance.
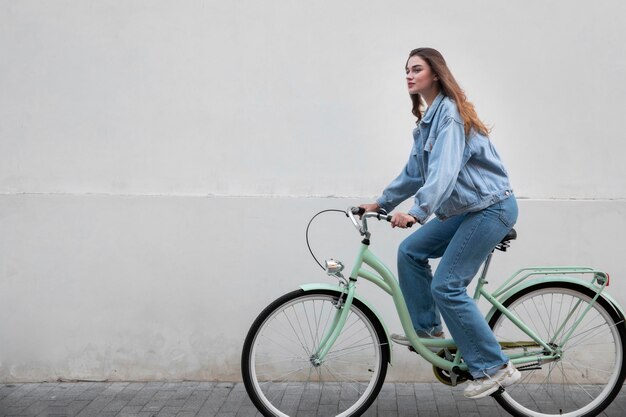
(403, 186)
(444, 165)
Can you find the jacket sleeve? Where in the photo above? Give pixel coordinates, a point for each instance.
(403, 186)
(444, 165)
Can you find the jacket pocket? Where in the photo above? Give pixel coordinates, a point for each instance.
(465, 194)
(508, 211)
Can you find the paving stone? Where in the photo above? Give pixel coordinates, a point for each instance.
(387, 404)
(204, 385)
(246, 411)
(95, 407)
(387, 391)
(168, 411)
(307, 413)
(233, 401)
(130, 411)
(407, 402)
(195, 401)
(214, 402)
(405, 389)
(426, 405)
(186, 414)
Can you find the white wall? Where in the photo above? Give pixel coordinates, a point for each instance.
(159, 160)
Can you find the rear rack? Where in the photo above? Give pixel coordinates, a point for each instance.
(598, 278)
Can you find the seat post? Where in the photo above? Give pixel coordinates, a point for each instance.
(483, 275)
(503, 245)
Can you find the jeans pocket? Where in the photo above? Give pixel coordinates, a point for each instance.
(508, 211)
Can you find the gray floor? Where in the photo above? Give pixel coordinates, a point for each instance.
(189, 399)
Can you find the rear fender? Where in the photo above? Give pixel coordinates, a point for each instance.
(617, 309)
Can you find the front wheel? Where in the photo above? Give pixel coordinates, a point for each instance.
(591, 368)
(279, 368)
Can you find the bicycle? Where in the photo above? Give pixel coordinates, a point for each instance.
(323, 344)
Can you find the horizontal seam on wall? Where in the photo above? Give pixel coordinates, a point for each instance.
(210, 195)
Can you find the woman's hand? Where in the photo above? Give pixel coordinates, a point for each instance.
(370, 207)
(402, 220)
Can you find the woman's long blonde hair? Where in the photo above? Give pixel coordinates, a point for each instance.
(450, 88)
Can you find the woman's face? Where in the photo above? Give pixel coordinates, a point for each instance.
(419, 77)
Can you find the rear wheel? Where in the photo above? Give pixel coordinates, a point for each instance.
(591, 369)
(279, 368)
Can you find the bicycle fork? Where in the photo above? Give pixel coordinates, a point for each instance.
(341, 315)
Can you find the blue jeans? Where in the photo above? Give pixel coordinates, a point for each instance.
(463, 243)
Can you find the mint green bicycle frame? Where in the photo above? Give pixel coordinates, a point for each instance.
(544, 351)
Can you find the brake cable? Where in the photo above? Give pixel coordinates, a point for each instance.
(309, 225)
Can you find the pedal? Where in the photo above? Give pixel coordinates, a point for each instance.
(530, 367)
(453, 377)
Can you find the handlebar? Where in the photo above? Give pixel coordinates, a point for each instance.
(360, 211)
(380, 215)
(360, 224)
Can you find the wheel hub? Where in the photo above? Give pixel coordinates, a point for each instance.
(315, 361)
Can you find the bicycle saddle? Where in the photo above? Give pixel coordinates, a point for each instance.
(512, 235)
(504, 243)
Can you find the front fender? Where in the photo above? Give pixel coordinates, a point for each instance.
(323, 286)
(618, 310)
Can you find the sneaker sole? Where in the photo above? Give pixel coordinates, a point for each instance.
(484, 393)
(511, 380)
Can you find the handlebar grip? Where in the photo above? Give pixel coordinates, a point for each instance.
(389, 217)
(357, 211)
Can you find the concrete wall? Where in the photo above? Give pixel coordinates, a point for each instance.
(159, 161)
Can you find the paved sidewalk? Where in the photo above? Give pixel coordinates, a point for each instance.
(207, 399)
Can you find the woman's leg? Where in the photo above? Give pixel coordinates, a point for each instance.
(415, 275)
(475, 238)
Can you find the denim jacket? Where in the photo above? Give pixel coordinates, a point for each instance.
(448, 172)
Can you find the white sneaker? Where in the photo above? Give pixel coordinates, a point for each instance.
(403, 340)
(400, 339)
(482, 387)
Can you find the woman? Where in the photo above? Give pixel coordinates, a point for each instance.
(454, 172)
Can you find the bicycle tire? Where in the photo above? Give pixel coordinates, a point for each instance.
(592, 367)
(277, 370)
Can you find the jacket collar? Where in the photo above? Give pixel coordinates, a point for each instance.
(432, 109)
